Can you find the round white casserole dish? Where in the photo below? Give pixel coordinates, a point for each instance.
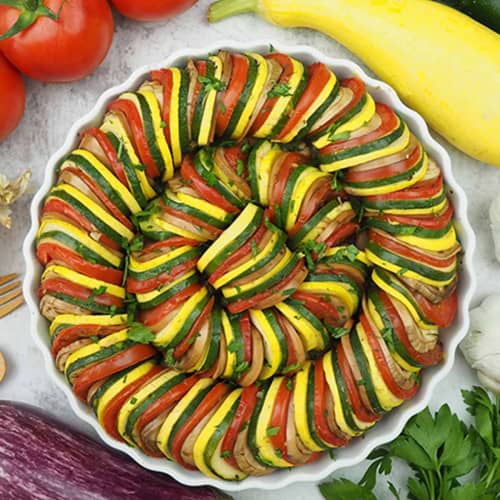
(392, 424)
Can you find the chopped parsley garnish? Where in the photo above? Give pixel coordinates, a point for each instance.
(272, 431)
(140, 333)
(279, 90)
(211, 83)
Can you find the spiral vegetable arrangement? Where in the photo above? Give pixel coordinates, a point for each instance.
(246, 264)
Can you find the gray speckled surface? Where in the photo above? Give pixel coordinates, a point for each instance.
(50, 111)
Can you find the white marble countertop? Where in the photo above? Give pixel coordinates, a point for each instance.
(51, 109)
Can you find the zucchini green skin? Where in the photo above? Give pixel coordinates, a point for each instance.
(286, 202)
(309, 316)
(411, 265)
(404, 230)
(244, 96)
(67, 241)
(394, 341)
(364, 369)
(85, 166)
(363, 149)
(403, 204)
(149, 132)
(297, 238)
(235, 244)
(193, 212)
(88, 214)
(344, 395)
(184, 131)
(91, 306)
(486, 12)
(169, 293)
(166, 267)
(272, 281)
(215, 339)
(148, 401)
(200, 101)
(340, 121)
(130, 170)
(98, 356)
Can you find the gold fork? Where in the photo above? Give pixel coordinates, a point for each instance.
(11, 294)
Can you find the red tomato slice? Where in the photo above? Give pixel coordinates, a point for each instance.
(420, 191)
(321, 424)
(110, 413)
(230, 97)
(342, 233)
(383, 367)
(441, 314)
(319, 76)
(109, 151)
(321, 308)
(409, 253)
(291, 357)
(289, 163)
(185, 344)
(102, 196)
(248, 400)
(164, 77)
(424, 358)
(138, 286)
(246, 334)
(375, 174)
(58, 206)
(359, 409)
(210, 401)
(358, 89)
(76, 332)
(243, 305)
(160, 405)
(136, 126)
(80, 292)
(189, 218)
(388, 124)
(322, 195)
(287, 65)
(279, 416)
(233, 154)
(114, 364)
(153, 316)
(245, 249)
(189, 173)
(47, 252)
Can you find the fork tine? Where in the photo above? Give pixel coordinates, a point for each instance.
(11, 306)
(7, 278)
(9, 287)
(12, 295)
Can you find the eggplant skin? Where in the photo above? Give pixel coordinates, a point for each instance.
(41, 458)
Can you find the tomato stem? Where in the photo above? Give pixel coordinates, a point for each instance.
(30, 11)
(225, 8)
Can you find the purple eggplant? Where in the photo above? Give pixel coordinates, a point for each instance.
(43, 458)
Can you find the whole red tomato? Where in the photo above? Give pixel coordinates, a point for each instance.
(151, 10)
(12, 97)
(67, 40)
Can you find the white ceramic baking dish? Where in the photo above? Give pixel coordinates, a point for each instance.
(393, 423)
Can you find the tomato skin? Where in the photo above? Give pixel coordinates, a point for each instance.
(441, 314)
(64, 50)
(12, 97)
(151, 10)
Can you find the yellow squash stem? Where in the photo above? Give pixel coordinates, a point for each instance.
(441, 62)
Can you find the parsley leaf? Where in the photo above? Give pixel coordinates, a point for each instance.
(240, 167)
(279, 90)
(140, 333)
(211, 83)
(272, 431)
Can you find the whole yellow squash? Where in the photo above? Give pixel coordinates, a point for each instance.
(441, 62)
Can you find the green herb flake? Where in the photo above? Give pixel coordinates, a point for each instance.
(272, 431)
(279, 90)
(255, 249)
(211, 83)
(140, 333)
(240, 167)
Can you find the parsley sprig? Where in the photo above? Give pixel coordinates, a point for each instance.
(440, 450)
